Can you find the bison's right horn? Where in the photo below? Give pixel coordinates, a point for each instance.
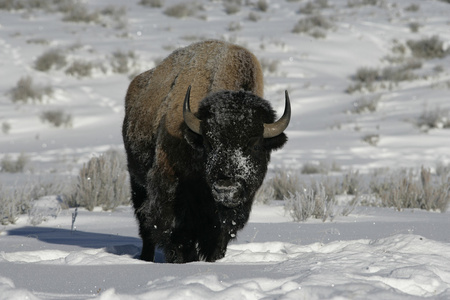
(189, 118)
(275, 129)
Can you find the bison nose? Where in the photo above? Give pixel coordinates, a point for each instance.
(224, 183)
(227, 192)
(225, 186)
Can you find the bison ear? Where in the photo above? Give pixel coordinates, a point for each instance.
(275, 142)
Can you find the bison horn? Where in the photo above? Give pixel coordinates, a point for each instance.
(189, 118)
(275, 129)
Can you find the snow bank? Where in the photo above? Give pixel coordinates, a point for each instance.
(400, 267)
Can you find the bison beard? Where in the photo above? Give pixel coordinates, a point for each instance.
(194, 191)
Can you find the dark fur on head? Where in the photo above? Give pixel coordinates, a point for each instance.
(234, 151)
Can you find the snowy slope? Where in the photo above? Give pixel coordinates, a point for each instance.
(372, 254)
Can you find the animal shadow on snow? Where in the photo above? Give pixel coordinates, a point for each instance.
(113, 244)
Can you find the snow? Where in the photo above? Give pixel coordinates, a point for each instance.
(370, 254)
(374, 253)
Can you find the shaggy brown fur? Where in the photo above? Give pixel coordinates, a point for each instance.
(208, 67)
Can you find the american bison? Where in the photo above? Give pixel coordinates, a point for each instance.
(198, 137)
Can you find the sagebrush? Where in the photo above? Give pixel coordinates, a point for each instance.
(19, 200)
(80, 68)
(315, 26)
(280, 186)
(102, 181)
(428, 48)
(405, 191)
(51, 59)
(10, 165)
(310, 202)
(56, 118)
(152, 3)
(436, 118)
(26, 91)
(13, 203)
(317, 197)
(122, 62)
(182, 10)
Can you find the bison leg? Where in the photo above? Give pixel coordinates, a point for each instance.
(139, 197)
(214, 248)
(148, 249)
(148, 245)
(182, 249)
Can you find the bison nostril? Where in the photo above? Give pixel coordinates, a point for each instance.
(226, 186)
(227, 192)
(224, 183)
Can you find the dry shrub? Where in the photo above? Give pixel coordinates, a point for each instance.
(313, 7)
(284, 183)
(232, 6)
(152, 3)
(315, 168)
(265, 194)
(6, 127)
(317, 197)
(412, 8)
(315, 26)
(122, 62)
(358, 3)
(234, 26)
(433, 119)
(372, 139)
(404, 191)
(9, 165)
(253, 16)
(365, 105)
(80, 14)
(269, 65)
(103, 181)
(414, 26)
(310, 202)
(72, 10)
(262, 5)
(53, 58)
(38, 41)
(182, 10)
(26, 90)
(370, 78)
(114, 16)
(18, 200)
(428, 48)
(13, 203)
(366, 75)
(80, 69)
(56, 118)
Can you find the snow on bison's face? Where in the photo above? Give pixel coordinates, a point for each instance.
(235, 133)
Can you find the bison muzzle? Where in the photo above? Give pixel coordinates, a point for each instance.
(194, 173)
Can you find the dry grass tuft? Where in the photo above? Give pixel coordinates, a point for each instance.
(26, 90)
(103, 181)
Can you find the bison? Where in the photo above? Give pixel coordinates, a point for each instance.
(198, 137)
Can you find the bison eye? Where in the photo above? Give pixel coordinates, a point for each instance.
(254, 144)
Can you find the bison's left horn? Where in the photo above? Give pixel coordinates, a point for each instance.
(189, 118)
(275, 129)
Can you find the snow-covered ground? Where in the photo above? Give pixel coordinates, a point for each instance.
(374, 253)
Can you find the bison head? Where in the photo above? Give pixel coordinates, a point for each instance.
(234, 132)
